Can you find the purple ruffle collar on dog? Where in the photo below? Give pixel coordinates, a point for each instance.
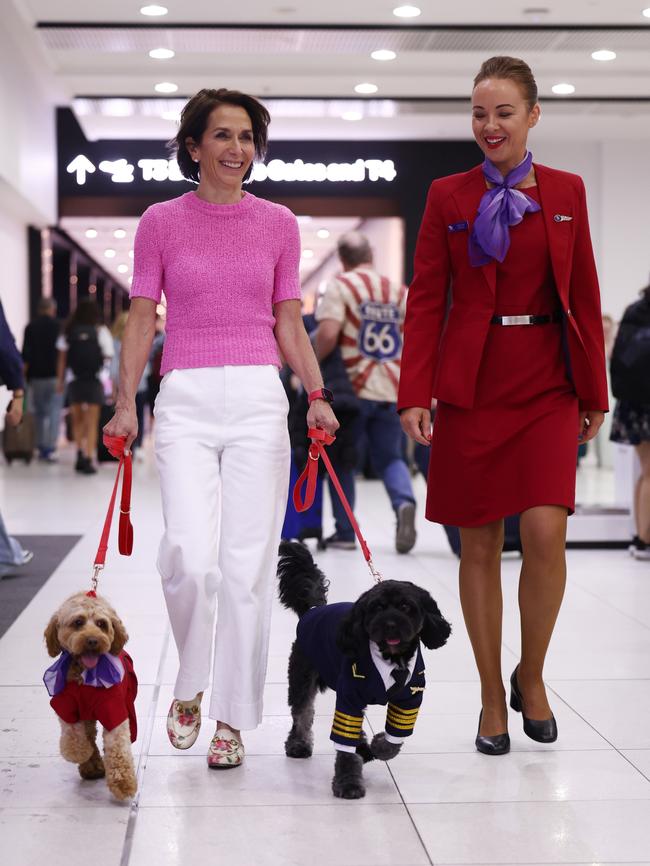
(108, 672)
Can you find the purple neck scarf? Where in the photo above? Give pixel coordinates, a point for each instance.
(501, 207)
(108, 671)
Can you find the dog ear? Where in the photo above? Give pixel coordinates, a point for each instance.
(52, 637)
(120, 635)
(351, 637)
(436, 629)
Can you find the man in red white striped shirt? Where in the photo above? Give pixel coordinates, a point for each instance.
(362, 312)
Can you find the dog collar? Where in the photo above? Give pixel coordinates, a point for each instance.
(108, 672)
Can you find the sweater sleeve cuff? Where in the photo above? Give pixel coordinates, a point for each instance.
(391, 738)
(341, 748)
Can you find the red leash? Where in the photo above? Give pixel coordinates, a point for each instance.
(115, 446)
(309, 477)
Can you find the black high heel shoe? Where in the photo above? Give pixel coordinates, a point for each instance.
(544, 731)
(497, 745)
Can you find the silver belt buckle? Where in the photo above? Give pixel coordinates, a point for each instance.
(516, 320)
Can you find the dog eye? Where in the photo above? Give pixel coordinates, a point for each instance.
(101, 623)
(78, 622)
(405, 606)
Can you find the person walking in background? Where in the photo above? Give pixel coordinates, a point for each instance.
(40, 359)
(141, 395)
(80, 353)
(630, 371)
(362, 312)
(503, 327)
(227, 262)
(12, 554)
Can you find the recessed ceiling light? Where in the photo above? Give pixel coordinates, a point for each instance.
(351, 115)
(646, 12)
(92, 288)
(563, 89)
(91, 233)
(383, 54)
(322, 234)
(166, 87)
(130, 254)
(366, 87)
(161, 54)
(308, 254)
(604, 55)
(153, 10)
(122, 268)
(406, 11)
(119, 233)
(110, 254)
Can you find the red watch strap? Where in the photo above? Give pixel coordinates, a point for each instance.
(315, 395)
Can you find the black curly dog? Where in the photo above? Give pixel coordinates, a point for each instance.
(395, 614)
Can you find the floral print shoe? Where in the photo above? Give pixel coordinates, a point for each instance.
(226, 750)
(184, 722)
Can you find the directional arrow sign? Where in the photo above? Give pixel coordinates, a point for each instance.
(80, 165)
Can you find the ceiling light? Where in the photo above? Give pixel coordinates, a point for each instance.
(308, 254)
(91, 233)
(383, 54)
(92, 288)
(604, 55)
(351, 115)
(130, 254)
(110, 254)
(122, 268)
(161, 54)
(171, 115)
(117, 107)
(153, 10)
(322, 234)
(406, 12)
(119, 234)
(366, 87)
(646, 12)
(563, 89)
(166, 87)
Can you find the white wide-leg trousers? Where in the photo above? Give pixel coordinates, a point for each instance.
(222, 449)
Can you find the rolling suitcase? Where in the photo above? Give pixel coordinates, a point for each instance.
(18, 443)
(306, 524)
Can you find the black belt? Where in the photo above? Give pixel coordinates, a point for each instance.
(526, 320)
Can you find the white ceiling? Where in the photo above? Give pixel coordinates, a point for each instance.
(306, 62)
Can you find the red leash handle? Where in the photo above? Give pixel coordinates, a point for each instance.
(116, 447)
(308, 479)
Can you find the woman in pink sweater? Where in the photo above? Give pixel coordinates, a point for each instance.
(228, 265)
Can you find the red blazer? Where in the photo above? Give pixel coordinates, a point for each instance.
(450, 303)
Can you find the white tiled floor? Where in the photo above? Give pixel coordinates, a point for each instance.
(584, 800)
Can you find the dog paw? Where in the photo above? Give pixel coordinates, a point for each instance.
(295, 748)
(123, 789)
(93, 768)
(348, 790)
(365, 752)
(382, 749)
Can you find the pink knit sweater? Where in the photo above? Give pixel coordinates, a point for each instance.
(221, 267)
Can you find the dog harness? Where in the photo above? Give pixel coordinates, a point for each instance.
(91, 700)
(357, 682)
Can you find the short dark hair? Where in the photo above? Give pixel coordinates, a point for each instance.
(354, 249)
(513, 69)
(194, 120)
(45, 305)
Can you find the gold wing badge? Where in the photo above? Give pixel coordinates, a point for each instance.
(416, 689)
(355, 674)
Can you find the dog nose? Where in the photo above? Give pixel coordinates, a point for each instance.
(91, 642)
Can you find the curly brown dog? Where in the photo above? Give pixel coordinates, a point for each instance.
(93, 680)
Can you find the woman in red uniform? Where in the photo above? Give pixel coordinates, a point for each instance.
(503, 328)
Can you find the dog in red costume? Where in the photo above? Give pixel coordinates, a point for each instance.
(93, 681)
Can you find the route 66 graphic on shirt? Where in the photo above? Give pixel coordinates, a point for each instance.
(379, 331)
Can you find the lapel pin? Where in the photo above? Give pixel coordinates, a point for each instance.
(562, 218)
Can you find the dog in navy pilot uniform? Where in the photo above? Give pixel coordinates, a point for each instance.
(367, 651)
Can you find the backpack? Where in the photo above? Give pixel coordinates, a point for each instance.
(85, 357)
(630, 364)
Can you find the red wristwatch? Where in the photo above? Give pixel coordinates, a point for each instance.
(320, 394)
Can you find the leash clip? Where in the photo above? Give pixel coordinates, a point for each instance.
(95, 578)
(373, 571)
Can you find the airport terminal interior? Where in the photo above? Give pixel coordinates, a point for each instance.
(369, 103)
